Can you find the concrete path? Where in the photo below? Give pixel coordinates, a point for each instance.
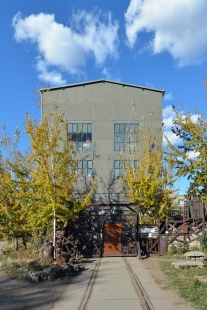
(113, 288)
(156, 296)
(73, 295)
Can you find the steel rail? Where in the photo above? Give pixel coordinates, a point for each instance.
(141, 293)
(87, 295)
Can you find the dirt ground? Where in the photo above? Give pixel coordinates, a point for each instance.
(152, 265)
(31, 296)
(15, 295)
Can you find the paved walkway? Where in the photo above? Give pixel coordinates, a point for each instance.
(113, 288)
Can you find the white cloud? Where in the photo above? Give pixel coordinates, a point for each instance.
(168, 116)
(194, 118)
(106, 73)
(192, 154)
(54, 77)
(67, 48)
(168, 97)
(110, 75)
(179, 27)
(171, 137)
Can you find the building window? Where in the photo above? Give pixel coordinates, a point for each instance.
(81, 134)
(120, 167)
(181, 202)
(86, 167)
(124, 136)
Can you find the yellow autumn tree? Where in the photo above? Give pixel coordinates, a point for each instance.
(189, 154)
(148, 177)
(52, 163)
(13, 189)
(42, 181)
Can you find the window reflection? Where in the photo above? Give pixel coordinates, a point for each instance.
(81, 134)
(85, 166)
(125, 136)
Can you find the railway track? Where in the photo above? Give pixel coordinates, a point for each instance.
(140, 291)
(87, 295)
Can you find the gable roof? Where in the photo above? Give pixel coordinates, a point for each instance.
(99, 81)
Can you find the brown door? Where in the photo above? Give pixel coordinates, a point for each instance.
(112, 239)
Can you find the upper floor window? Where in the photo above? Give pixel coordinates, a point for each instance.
(120, 167)
(181, 202)
(124, 136)
(81, 134)
(86, 167)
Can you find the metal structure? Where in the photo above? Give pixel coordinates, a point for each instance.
(101, 230)
(114, 230)
(189, 228)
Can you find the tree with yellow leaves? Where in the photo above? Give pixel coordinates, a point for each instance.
(13, 204)
(44, 179)
(148, 177)
(53, 170)
(189, 155)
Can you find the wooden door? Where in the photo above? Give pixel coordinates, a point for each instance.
(112, 239)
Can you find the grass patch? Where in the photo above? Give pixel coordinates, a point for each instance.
(188, 285)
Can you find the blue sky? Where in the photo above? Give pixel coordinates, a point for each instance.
(160, 44)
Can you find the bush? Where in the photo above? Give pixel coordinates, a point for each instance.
(203, 241)
(180, 249)
(193, 248)
(172, 249)
(186, 246)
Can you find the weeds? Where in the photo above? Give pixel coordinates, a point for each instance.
(189, 286)
(29, 258)
(203, 241)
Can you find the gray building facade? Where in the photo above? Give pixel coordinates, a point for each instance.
(99, 114)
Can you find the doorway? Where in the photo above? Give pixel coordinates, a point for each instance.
(112, 239)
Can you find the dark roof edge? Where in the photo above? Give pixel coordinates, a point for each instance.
(42, 90)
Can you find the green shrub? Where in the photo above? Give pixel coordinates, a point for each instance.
(180, 249)
(193, 248)
(172, 249)
(186, 246)
(203, 241)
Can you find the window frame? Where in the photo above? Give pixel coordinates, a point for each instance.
(84, 166)
(82, 136)
(122, 140)
(122, 167)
